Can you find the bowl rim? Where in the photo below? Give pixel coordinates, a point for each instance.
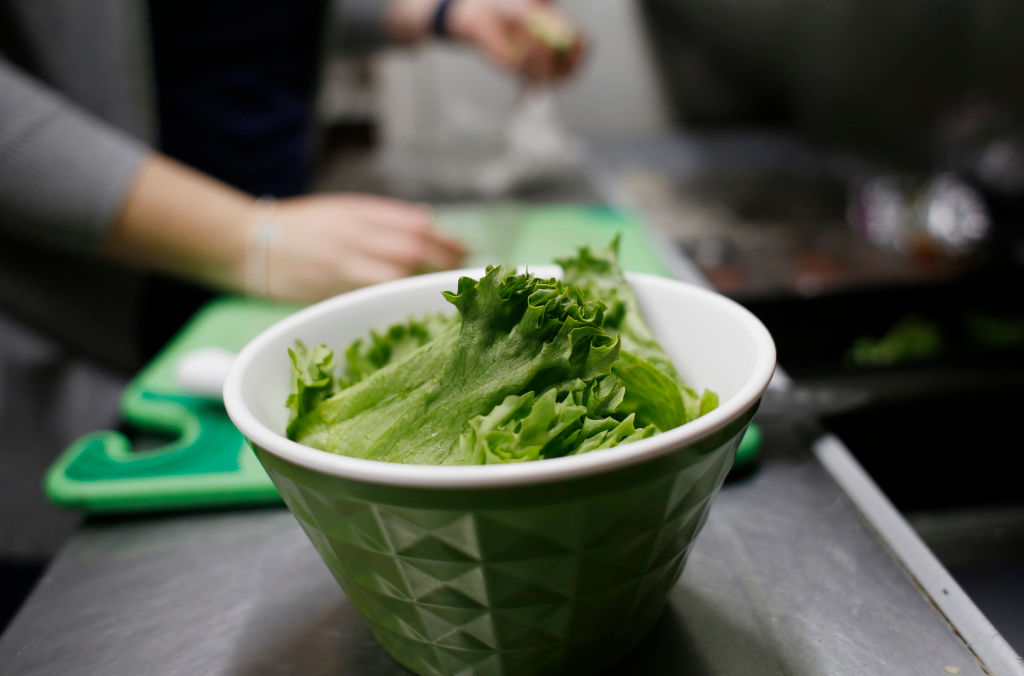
(497, 475)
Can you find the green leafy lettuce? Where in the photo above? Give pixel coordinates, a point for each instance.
(527, 369)
(645, 368)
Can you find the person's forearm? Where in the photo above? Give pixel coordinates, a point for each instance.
(183, 223)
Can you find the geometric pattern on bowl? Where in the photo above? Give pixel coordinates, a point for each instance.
(565, 577)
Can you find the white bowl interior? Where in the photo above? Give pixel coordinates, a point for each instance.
(713, 341)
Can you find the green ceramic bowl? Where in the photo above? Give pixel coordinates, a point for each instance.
(547, 567)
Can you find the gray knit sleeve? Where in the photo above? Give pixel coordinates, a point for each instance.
(64, 175)
(357, 26)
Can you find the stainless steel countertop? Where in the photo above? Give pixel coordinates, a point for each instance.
(786, 578)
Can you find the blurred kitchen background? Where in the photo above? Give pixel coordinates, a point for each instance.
(851, 171)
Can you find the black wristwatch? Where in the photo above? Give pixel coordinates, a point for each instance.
(439, 22)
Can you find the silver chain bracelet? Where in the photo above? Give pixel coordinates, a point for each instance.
(262, 235)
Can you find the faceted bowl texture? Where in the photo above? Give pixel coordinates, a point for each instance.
(546, 567)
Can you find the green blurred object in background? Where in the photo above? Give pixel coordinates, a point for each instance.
(520, 235)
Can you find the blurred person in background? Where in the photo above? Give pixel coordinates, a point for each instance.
(152, 154)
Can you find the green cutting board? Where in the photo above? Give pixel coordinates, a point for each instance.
(204, 461)
(517, 235)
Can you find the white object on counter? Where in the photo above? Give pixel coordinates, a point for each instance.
(202, 372)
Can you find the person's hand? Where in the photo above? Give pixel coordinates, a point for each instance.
(529, 37)
(330, 243)
(181, 222)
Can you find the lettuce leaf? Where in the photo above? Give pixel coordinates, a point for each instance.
(527, 369)
(312, 381)
(654, 389)
(649, 393)
(598, 276)
(363, 357)
(524, 427)
(516, 334)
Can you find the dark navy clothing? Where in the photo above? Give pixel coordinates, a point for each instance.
(236, 85)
